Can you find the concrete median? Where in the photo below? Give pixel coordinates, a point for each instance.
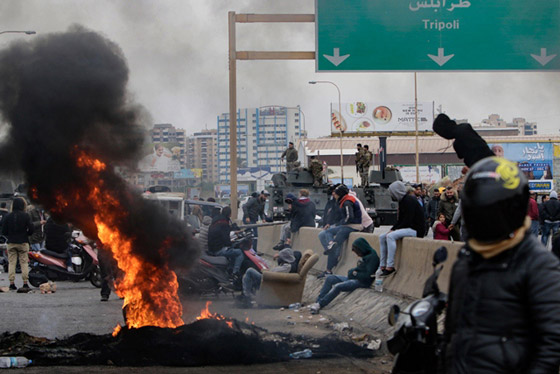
(413, 259)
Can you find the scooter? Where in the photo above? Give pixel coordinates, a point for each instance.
(211, 275)
(416, 341)
(47, 265)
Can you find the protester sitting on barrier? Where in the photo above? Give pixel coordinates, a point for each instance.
(351, 221)
(219, 241)
(302, 214)
(504, 292)
(441, 232)
(359, 277)
(332, 212)
(367, 221)
(410, 222)
(252, 278)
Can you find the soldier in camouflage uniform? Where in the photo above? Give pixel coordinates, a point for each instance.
(316, 168)
(366, 161)
(359, 158)
(291, 155)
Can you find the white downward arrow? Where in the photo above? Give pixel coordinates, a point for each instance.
(336, 59)
(440, 59)
(543, 59)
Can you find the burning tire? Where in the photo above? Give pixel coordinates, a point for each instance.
(95, 276)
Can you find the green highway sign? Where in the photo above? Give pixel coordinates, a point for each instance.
(437, 35)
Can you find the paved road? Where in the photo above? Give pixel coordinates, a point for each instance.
(76, 307)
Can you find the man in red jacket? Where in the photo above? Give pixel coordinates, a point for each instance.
(533, 213)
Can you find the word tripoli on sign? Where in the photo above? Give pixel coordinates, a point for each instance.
(439, 25)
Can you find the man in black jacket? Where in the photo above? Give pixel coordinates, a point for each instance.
(550, 217)
(302, 214)
(504, 293)
(17, 227)
(219, 241)
(252, 210)
(410, 222)
(332, 212)
(433, 207)
(468, 144)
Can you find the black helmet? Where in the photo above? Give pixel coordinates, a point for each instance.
(495, 199)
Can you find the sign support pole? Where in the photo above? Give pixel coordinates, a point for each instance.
(416, 128)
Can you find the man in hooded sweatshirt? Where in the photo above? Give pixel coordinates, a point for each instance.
(359, 277)
(351, 221)
(303, 213)
(410, 222)
(17, 227)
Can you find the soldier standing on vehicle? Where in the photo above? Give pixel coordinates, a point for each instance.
(316, 168)
(359, 156)
(366, 160)
(291, 157)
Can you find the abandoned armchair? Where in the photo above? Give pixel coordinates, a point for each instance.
(282, 289)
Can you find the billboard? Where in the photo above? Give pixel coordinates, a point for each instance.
(428, 174)
(162, 157)
(362, 117)
(534, 159)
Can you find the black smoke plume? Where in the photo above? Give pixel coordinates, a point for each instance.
(65, 93)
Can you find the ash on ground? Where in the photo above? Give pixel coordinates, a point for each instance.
(204, 342)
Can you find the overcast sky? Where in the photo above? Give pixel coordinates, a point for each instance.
(177, 54)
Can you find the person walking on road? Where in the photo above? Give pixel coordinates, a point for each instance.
(504, 292)
(533, 213)
(291, 156)
(550, 217)
(252, 210)
(17, 227)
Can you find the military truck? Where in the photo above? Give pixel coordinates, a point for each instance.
(375, 197)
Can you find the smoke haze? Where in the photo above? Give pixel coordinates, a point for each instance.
(66, 93)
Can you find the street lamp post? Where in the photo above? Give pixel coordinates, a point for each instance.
(340, 115)
(18, 32)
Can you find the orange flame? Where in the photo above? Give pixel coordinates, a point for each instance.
(150, 292)
(206, 314)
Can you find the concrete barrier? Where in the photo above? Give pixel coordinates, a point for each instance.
(413, 259)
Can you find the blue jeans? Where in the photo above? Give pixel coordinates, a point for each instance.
(338, 234)
(251, 282)
(232, 254)
(335, 284)
(549, 228)
(535, 225)
(388, 245)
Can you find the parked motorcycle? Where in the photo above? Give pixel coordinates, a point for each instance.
(415, 343)
(45, 265)
(211, 275)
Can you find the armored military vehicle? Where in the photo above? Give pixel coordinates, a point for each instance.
(375, 197)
